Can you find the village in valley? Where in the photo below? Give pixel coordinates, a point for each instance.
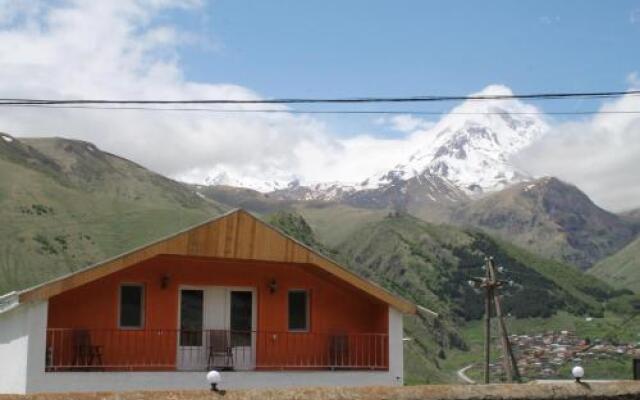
(543, 355)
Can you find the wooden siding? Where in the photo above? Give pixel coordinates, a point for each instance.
(335, 307)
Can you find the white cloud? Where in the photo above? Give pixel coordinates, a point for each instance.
(405, 123)
(634, 16)
(600, 155)
(118, 50)
(633, 80)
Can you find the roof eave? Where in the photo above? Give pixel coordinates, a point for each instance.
(9, 301)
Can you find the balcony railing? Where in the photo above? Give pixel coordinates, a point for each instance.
(170, 350)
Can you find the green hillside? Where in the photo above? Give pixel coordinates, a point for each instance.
(621, 270)
(423, 260)
(65, 204)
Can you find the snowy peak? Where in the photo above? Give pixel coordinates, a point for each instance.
(473, 144)
(221, 176)
(469, 149)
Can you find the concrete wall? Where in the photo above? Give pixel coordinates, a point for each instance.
(396, 350)
(124, 381)
(22, 346)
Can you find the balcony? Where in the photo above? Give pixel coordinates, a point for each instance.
(175, 350)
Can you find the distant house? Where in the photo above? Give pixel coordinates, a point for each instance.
(232, 294)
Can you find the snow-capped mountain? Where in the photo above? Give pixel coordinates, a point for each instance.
(466, 153)
(224, 177)
(472, 146)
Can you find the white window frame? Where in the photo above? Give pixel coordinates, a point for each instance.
(307, 293)
(143, 303)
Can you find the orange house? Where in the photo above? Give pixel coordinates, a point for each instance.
(232, 294)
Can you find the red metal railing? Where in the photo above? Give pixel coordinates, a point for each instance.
(158, 350)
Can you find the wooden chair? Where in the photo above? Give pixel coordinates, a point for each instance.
(339, 350)
(85, 354)
(220, 349)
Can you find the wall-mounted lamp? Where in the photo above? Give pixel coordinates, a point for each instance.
(164, 281)
(273, 286)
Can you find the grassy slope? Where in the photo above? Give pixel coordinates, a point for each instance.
(334, 223)
(621, 270)
(80, 207)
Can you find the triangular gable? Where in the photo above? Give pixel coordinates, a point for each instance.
(237, 235)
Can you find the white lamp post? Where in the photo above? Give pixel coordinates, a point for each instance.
(578, 373)
(213, 377)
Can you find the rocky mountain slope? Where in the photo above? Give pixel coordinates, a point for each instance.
(65, 204)
(550, 218)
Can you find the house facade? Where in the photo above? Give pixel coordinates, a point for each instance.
(232, 294)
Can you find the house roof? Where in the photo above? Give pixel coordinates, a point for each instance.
(236, 235)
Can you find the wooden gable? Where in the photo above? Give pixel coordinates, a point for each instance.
(235, 235)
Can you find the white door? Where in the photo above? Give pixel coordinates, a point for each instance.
(216, 328)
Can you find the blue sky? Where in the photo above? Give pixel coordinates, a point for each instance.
(393, 48)
(344, 48)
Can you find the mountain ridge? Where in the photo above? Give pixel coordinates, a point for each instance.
(470, 148)
(550, 217)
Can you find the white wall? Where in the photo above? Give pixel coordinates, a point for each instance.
(22, 353)
(396, 347)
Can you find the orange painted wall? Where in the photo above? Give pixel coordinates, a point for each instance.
(335, 307)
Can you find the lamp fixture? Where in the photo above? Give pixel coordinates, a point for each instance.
(213, 377)
(164, 281)
(578, 373)
(273, 286)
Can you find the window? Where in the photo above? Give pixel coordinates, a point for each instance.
(298, 310)
(191, 317)
(131, 306)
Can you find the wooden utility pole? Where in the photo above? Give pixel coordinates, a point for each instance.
(491, 284)
(487, 327)
(511, 365)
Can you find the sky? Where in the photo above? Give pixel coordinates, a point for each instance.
(273, 49)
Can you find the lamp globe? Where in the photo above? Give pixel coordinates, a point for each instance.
(577, 372)
(213, 377)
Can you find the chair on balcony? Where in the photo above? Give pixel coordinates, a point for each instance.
(220, 353)
(85, 353)
(338, 351)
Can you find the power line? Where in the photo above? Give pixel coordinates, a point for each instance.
(286, 111)
(532, 96)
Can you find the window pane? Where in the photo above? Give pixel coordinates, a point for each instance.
(241, 317)
(298, 310)
(191, 306)
(131, 306)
